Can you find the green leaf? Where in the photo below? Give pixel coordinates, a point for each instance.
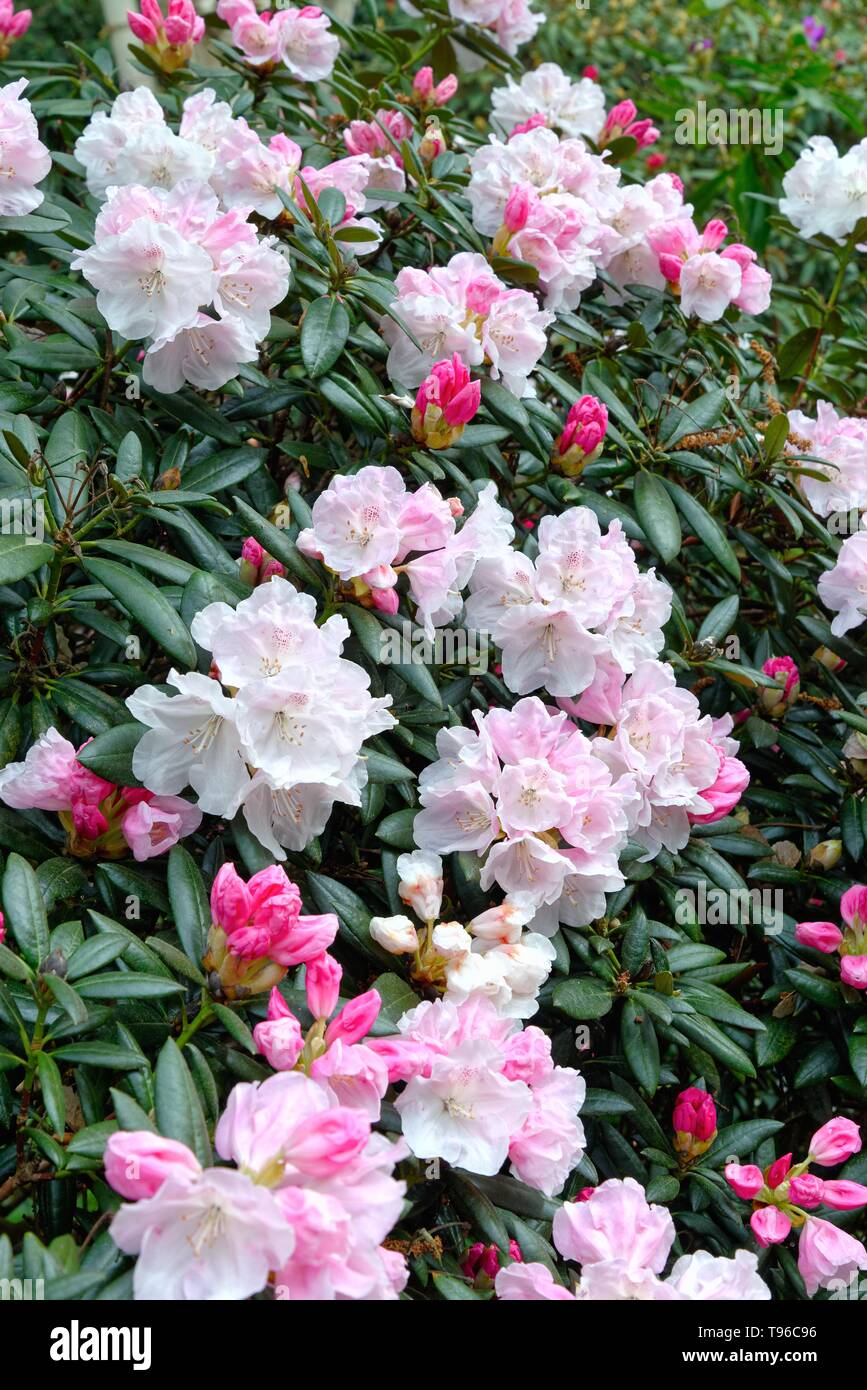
(176, 1102)
(68, 999)
(127, 984)
(640, 1045)
(718, 623)
(483, 1216)
(52, 1091)
(148, 606)
(706, 527)
(323, 334)
(109, 755)
(352, 914)
(190, 907)
(657, 515)
(99, 1054)
(25, 910)
(582, 997)
(396, 829)
(20, 556)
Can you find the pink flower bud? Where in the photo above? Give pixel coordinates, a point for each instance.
(853, 971)
(322, 982)
(695, 1114)
(481, 1259)
(591, 72)
(842, 1194)
(732, 781)
(142, 28)
(252, 552)
(305, 939)
(280, 1040)
(137, 1162)
(617, 120)
(643, 132)
(89, 821)
(532, 123)
(778, 1170)
(670, 266)
(445, 90)
(433, 142)
(655, 161)
(714, 235)
(385, 600)
(826, 1253)
(783, 670)
(445, 402)
(770, 1225)
(581, 440)
(269, 570)
(355, 1018)
(807, 1190)
(822, 936)
(422, 83)
(230, 900)
(746, 1179)
(836, 1141)
(517, 208)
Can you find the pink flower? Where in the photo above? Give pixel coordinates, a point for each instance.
(581, 440)
(836, 1141)
(379, 137)
(152, 827)
(618, 119)
(708, 284)
(445, 402)
(826, 1253)
(137, 1162)
(310, 936)
(725, 793)
(843, 1194)
(251, 914)
(746, 1179)
(755, 292)
(615, 1223)
(694, 1118)
(279, 1037)
(356, 1076)
(533, 1283)
(355, 1018)
(822, 936)
(778, 1170)
(322, 983)
(770, 1225)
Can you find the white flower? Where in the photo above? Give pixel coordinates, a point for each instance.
(251, 280)
(24, 160)
(465, 1110)
(207, 354)
(191, 740)
(708, 1278)
(574, 108)
(843, 589)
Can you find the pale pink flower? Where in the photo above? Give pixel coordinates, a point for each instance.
(825, 1254)
(279, 1037)
(822, 936)
(615, 1223)
(836, 1141)
(152, 826)
(137, 1162)
(26, 160)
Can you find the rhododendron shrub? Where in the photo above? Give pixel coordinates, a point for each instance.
(433, 733)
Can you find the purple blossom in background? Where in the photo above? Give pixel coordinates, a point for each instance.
(814, 32)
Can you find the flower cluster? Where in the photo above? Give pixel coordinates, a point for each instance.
(161, 258)
(366, 526)
(480, 1090)
(490, 956)
(285, 744)
(681, 762)
(258, 931)
(101, 820)
(171, 37)
(26, 161)
(299, 38)
(304, 1205)
(850, 944)
(463, 308)
(570, 108)
(833, 478)
(622, 1243)
(707, 275)
(581, 610)
(843, 588)
(825, 193)
(532, 794)
(783, 1197)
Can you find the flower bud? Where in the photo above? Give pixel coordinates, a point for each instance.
(841, 1194)
(397, 935)
(279, 1037)
(420, 883)
(836, 1141)
(746, 1179)
(787, 676)
(137, 1162)
(433, 142)
(581, 440)
(445, 402)
(806, 1190)
(821, 936)
(770, 1225)
(355, 1018)
(694, 1121)
(322, 982)
(825, 855)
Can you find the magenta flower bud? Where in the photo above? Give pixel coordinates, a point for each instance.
(581, 440)
(230, 900)
(781, 668)
(619, 118)
(531, 123)
(807, 1191)
(853, 905)
(151, 11)
(670, 266)
(279, 1038)
(142, 28)
(822, 936)
(445, 90)
(269, 570)
(137, 1162)
(643, 132)
(304, 939)
(445, 402)
(385, 600)
(842, 1194)
(770, 1225)
(777, 1171)
(746, 1179)
(517, 208)
(252, 552)
(89, 822)
(355, 1018)
(695, 1114)
(725, 793)
(853, 971)
(322, 982)
(836, 1141)
(423, 83)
